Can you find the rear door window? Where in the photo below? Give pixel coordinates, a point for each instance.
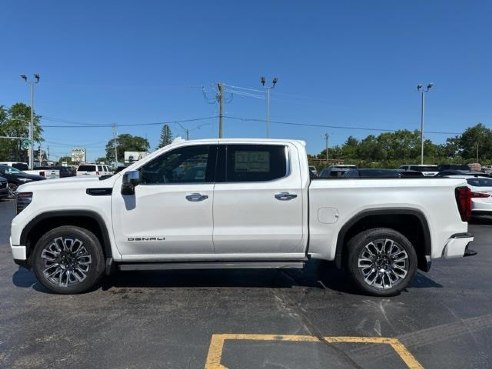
(255, 163)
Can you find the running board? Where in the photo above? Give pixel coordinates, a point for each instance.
(213, 265)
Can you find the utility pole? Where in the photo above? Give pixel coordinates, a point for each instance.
(422, 91)
(274, 82)
(115, 145)
(187, 131)
(220, 99)
(31, 83)
(327, 136)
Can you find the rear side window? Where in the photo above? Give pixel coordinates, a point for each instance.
(255, 163)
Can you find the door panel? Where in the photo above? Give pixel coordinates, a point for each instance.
(259, 208)
(160, 220)
(171, 210)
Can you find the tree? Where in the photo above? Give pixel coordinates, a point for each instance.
(14, 122)
(65, 159)
(102, 159)
(476, 138)
(125, 142)
(166, 136)
(349, 148)
(369, 149)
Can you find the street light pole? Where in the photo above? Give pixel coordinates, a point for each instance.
(422, 91)
(274, 82)
(31, 83)
(327, 136)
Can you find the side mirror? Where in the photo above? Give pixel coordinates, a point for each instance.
(131, 179)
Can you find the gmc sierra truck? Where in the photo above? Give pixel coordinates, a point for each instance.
(236, 203)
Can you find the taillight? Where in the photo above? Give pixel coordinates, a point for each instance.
(463, 200)
(479, 195)
(23, 199)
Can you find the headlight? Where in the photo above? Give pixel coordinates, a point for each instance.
(25, 179)
(23, 199)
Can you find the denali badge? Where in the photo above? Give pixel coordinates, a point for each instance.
(145, 238)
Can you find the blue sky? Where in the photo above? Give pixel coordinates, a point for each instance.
(344, 67)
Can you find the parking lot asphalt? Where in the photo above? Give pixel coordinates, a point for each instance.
(309, 318)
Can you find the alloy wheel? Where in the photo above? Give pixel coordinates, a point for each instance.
(383, 263)
(66, 261)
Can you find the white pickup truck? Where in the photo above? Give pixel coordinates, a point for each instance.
(236, 203)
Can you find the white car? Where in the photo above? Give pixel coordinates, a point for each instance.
(93, 170)
(481, 188)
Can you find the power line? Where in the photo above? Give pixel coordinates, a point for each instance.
(320, 125)
(332, 126)
(110, 125)
(247, 94)
(243, 88)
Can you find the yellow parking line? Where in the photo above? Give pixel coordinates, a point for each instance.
(217, 345)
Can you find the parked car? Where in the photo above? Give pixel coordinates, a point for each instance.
(119, 168)
(4, 189)
(450, 172)
(47, 171)
(16, 164)
(66, 171)
(481, 188)
(336, 170)
(442, 167)
(426, 169)
(372, 173)
(410, 173)
(15, 178)
(98, 170)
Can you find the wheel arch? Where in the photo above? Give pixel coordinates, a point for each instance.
(81, 218)
(409, 222)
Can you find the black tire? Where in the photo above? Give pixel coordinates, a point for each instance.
(12, 188)
(381, 261)
(68, 260)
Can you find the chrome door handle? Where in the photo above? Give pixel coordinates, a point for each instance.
(284, 196)
(195, 197)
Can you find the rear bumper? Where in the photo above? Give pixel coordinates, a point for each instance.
(457, 245)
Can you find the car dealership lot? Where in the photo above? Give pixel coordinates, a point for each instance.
(249, 319)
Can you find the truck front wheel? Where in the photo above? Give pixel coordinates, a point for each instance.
(68, 260)
(381, 261)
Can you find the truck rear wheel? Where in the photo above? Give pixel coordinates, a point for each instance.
(68, 260)
(381, 261)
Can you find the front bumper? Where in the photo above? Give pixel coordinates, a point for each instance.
(457, 245)
(19, 254)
